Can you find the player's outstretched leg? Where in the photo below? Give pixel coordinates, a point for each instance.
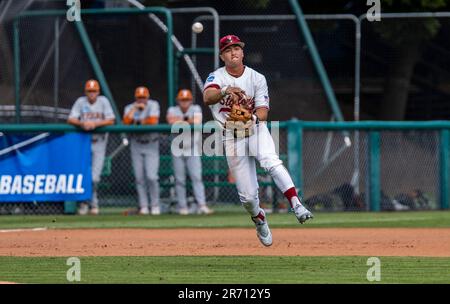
(258, 217)
(262, 228)
(244, 170)
(264, 148)
(300, 211)
(284, 182)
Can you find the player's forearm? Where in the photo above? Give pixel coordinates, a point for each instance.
(106, 122)
(212, 96)
(174, 119)
(151, 120)
(129, 117)
(75, 122)
(262, 114)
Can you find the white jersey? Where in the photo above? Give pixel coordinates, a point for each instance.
(253, 83)
(85, 111)
(193, 110)
(151, 110)
(101, 109)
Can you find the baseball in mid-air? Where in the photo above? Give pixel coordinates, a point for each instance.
(197, 27)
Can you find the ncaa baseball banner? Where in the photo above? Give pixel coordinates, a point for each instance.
(45, 167)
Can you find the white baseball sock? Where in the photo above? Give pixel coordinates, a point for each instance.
(281, 177)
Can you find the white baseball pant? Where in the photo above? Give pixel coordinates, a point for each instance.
(193, 165)
(241, 155)
(98, 149)
(145, 160)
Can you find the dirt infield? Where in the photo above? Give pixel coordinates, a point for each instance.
(198, 242)
(209, 242)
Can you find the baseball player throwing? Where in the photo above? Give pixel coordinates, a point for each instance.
(238, 98)
(90, 112)
(144, 149)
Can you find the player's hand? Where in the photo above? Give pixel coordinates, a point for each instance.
(234, 90)
(139, 106)
(88, 125)
(238, 97)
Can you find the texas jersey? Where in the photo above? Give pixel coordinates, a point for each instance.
(193, 110)
(99, 110)
(253, 83)
(85, 111)
(151, 110)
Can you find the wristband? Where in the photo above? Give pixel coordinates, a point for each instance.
(255, 119)
(223, 91)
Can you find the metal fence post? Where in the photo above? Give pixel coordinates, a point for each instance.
(96, 67)
(17, 68)
(56, 69)
(176, 64)
(294, 153)
(317, 61)
(192, 63)
(374, 171)
(444, 168)
(170, 60)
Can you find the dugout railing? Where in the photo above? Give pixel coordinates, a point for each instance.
(382, 164)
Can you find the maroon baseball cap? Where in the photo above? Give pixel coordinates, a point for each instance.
(228, 40)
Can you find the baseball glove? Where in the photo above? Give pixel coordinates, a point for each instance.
(239, 113)
(240, 121)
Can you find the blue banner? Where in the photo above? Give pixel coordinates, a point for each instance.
(45, 167)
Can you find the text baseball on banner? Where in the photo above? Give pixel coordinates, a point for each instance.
(45, 167)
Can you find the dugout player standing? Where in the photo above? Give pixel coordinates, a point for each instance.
(90, 112)
(145, 149)
(220, 88)
(190, 160)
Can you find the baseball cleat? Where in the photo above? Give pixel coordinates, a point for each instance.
(94, 211)
(262, 229)
(204, 210)
(302, 213)
(83, 209)
(143, 211)
(183, 211)
(156, 210)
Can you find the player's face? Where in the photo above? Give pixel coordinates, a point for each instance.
(92, 95)
(141, 100)
(232, 56)
(184, 104)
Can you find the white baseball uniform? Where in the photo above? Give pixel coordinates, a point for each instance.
(188, 161)
(242, 152)
(101, 109)
(145, 155)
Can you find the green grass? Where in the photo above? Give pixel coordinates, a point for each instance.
(230, 217)
(230, 269)
(218, 270)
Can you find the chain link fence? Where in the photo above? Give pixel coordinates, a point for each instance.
(131, 51)
(275, 48)
(333, 174)
(117, 186)
(409, 170)
(336, 178)
(54, 64)
(405, 67)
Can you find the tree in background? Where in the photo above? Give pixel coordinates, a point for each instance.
(406, 39)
